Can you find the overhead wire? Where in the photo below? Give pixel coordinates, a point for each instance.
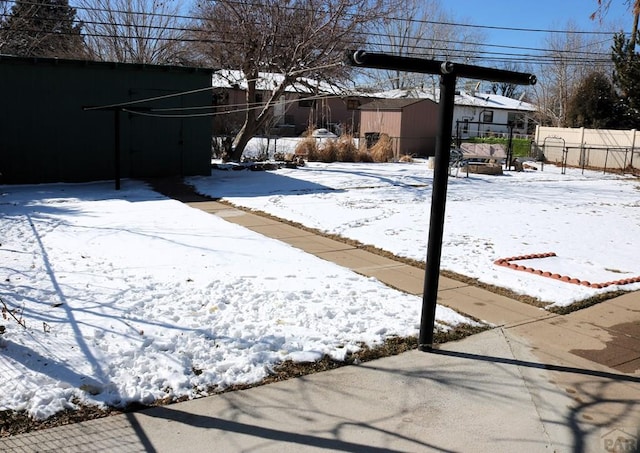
(155, 98)
(235, 108)
(461, 52)
(246, 106)
(579, 56)
(438, 48)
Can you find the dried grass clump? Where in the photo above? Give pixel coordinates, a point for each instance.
(364, 156)
(307, 148)
(382, 151)
(328, 151)
(347, 150)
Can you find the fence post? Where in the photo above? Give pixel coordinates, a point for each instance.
(633, 144)
(583, 154)
(116, 148)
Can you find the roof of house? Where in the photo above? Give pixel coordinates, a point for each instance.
(391, 104)
(490, 100)
(472, 99)
(267, 81)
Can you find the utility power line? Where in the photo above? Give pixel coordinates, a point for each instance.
(437, 47)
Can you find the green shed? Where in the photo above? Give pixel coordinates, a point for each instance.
(47, 134)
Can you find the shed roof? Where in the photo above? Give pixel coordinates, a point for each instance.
(391, 104)
(12, 59)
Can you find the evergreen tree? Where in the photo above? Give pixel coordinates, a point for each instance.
(626, 79)
(42, 29)
(593, 104)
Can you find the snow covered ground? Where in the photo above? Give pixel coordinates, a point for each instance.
(118, 297)
(590, 220)
(129, 296)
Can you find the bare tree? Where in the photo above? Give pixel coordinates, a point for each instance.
(5, 11)
(634, 5)
(420, 28)
(134, 31)
(295, 38)
(569, 59)
(511, 90)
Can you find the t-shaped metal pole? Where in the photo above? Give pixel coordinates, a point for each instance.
(449, 72)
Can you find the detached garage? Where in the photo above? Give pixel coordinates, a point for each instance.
(47, 134)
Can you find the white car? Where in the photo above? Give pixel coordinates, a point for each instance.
(323, 133)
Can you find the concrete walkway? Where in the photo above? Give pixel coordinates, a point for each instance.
(537, 382)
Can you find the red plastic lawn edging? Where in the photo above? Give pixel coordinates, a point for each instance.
(506, 262)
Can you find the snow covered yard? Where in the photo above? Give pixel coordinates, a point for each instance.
(591, 221)
(120, 297)
(113, 297)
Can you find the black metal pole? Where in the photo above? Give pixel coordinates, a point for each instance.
(448, 74)
(397, 63)
(438, 202)
(510, 147)
(116, 157)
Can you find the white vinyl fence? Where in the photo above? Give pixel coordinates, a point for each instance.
(606, 149)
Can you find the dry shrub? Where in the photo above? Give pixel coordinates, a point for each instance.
(364, 156)
(382, 151)
(307, 148)
(328, 151)
(347, 150)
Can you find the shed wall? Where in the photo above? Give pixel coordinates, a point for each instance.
(383, 122)
(420, 128)
(47, 136)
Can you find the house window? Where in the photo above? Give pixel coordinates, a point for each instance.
(486, 116)
(353, 104)
(306, 102)
(465, 126)
(517, 119)
(220, 98)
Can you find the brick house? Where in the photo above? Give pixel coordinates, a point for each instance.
(309, 103)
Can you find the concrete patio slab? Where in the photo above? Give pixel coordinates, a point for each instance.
(471, 396)
(315, 244)
(490, 307)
